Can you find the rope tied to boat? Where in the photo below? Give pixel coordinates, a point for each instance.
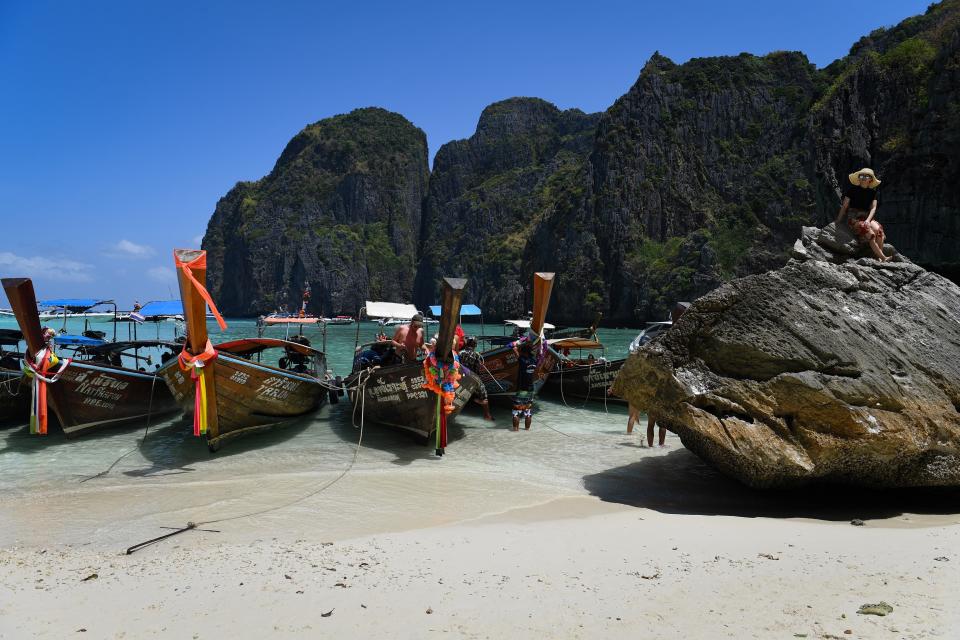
(39, 370)
(196, 365)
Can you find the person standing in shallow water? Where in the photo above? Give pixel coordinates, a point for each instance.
(523, 400)
(859, 206)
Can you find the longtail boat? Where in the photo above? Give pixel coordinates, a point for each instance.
(583, 376)
(228, 393)
(419, 397)
(94, 389)
(14, 386)
(501, 372)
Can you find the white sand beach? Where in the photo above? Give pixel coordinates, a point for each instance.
(662, 547)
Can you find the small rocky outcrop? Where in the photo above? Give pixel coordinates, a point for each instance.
(831, 368)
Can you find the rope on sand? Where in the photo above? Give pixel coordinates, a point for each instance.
(361, 387)
(146, 430)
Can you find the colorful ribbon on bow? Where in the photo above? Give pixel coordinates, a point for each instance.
(200, 262)
(46, 360)
(443, 378)
(196, 364)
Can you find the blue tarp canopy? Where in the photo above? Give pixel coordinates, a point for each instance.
(465, 310)
(74, 303)
(162, 308)
(77, 341)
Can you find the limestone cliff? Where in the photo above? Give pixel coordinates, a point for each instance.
(701, 172)
(340, 210)
(489, 195)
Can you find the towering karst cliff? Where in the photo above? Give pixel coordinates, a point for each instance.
(340, 210)
(699, 173)
(488, 195)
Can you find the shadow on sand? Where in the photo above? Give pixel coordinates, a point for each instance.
(173, 447)
(405, 447)
(679, 482)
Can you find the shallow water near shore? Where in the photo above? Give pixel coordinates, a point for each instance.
(117, 486)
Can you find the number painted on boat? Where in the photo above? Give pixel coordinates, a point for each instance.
(240, 377)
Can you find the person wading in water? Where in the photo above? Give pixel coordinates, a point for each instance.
(859, 206)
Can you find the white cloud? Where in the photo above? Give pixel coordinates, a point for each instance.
(128, 249)
(197, 241)
(58, 269)
(162, 274)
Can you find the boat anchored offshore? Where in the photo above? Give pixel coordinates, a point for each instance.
(228, 393)
(501, 372)
(94, 388)
(419, 397)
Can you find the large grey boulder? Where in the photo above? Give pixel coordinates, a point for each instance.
(832, 368)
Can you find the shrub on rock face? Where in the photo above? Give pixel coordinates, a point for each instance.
(831, 368)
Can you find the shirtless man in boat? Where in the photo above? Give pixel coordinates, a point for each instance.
(408, 338)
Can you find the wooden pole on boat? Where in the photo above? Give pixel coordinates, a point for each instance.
(23, 302)
(451, 296)
(542, 288)
(195, 317)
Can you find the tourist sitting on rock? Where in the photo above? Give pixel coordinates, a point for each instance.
(859, 207)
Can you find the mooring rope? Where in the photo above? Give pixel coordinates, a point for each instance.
(146, 430)
(361, 386)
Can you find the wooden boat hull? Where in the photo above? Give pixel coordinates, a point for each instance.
(250, 396)
(501, 373)
(14, 397)
(92, 396)
(585, 381)
(394, 396)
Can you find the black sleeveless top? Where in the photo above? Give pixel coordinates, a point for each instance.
(861, 198)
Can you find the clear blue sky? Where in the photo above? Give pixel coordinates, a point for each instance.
(122, 123)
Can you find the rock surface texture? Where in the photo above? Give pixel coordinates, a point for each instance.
(831, 368)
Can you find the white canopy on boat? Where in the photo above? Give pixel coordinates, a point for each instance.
(390, 310)
(525, 324)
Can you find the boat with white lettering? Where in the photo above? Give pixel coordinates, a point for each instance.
(101, 384)
(418, 396)
(582, 370)
(231, 389)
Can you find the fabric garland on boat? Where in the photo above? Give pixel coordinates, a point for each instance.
(46, 360)
(196, 364)
(200, 263)
(443, 378)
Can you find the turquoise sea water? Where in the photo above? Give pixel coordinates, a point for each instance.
(567, 440)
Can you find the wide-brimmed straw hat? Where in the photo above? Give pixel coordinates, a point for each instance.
(874, 181)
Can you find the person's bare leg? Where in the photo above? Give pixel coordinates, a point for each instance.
(486, 410)
(878, 239)
(663, 435)
(632, 419)
(526, 422)
(650, 423)
(516, 423)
